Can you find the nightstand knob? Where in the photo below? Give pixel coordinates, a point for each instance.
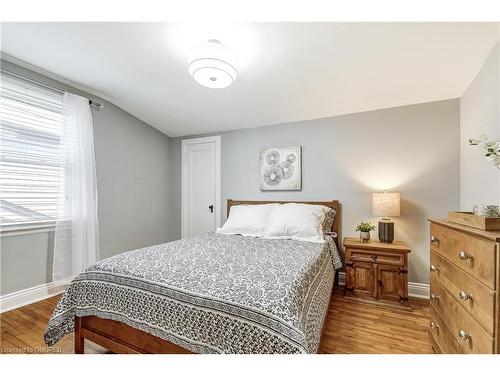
(434, 297)
(464, 296)
(433, 325)
(463, 335)
(433, 268)
(434, 239)
(464, 255)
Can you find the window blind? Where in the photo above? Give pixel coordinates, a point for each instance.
(30, 167)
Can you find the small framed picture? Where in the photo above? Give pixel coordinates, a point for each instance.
(281, 168)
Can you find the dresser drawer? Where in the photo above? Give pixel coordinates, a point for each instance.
(454, 280)
(471, 254)
(441, 298)
(380, 257)
(475, 339)
(442, 335)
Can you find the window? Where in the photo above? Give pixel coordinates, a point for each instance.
(30, 170)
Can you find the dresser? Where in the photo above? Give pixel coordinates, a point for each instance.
(377, 271)
(464, 287)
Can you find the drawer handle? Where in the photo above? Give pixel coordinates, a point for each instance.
(434, 297)
(465, 255)
(463, 335)
(434, 239)
(433, 325)
(433, 268)
(464, 296)
(374, 258)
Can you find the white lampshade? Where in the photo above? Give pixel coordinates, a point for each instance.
(386, 204)
(213, 65)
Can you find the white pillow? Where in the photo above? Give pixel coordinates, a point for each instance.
(297, 221)
(248, 220)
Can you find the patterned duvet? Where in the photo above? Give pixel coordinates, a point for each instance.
(213, 293)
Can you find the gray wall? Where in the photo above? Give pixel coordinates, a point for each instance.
(26, 261)
(133, 182)
(412, 149)
(479, 114)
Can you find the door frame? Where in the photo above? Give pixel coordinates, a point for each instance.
(194, 141)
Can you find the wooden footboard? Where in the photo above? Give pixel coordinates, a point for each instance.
(120, 338)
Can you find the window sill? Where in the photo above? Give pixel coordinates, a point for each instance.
(27, 228)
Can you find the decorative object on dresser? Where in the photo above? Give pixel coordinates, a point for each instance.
(386, 204)
(489, 210)
(465, 282)
(475, 221)
(491, 149)
(377, 271)
(364, 230)
(281, 168)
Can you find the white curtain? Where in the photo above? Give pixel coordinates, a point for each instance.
(76, 242)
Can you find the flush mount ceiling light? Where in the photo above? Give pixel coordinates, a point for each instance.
(213, 65)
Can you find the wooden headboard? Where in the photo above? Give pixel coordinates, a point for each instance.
(332, 204)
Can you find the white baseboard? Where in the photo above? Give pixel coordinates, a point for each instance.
(34, 294)
(416, 290)
(419, 290)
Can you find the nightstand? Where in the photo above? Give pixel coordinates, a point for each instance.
(377, 271)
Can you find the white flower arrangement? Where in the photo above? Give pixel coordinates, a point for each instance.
(491, 149)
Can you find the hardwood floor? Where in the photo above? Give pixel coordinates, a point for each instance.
(362, 328)
(21, 331)
(352, 327)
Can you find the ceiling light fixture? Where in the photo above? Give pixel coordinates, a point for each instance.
(213, 65)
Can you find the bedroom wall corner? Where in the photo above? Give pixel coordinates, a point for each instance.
(480, 114)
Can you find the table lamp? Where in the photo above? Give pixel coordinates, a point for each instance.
(386, 204)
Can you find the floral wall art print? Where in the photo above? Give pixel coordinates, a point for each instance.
(281, 168)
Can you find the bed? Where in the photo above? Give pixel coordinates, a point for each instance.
(212, 293)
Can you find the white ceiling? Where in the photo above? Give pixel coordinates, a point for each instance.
(287, 71)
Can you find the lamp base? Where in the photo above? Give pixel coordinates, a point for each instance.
(386, 231)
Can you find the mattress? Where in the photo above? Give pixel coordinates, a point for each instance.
(213, 293)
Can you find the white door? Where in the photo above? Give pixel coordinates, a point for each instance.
(200, 185)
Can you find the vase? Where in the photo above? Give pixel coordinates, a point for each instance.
(364, 236)
(487, 211)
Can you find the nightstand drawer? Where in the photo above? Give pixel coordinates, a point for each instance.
(381, 257)
(455, 281)
(471, 254)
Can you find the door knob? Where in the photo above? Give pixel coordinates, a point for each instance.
(211, 208)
